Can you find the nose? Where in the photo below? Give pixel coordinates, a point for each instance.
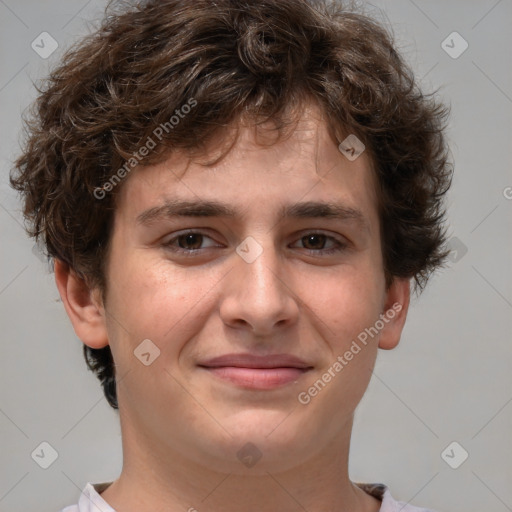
(258, 294)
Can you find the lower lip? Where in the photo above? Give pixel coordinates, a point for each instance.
(257, 378)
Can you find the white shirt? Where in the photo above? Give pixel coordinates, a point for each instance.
(91, 501)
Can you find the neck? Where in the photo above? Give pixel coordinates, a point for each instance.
(156, 480)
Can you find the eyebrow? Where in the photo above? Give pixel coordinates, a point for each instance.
(305, 210)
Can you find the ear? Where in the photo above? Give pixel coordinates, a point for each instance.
(396, 305)
(83, 306)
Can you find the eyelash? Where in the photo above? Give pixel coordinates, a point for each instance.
(339, 247)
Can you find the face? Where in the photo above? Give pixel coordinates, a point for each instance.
(283, 298)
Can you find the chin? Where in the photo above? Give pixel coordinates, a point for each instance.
(259, 444)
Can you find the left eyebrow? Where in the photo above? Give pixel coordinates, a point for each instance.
(305, 210)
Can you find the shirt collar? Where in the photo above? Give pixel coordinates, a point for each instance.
(91, 501)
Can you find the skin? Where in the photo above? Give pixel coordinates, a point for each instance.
(182, 426)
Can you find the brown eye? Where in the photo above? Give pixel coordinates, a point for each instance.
(189, 240)
(315, 243)
(190, 243)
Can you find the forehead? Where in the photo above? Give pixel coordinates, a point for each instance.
(270, 173)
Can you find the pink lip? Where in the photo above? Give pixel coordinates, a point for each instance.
(257, 378)
(257, 372)
(254, 361)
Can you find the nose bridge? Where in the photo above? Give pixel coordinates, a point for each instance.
(259, 265)
(258, 296)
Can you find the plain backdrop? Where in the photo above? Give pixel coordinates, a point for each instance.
(448, 381)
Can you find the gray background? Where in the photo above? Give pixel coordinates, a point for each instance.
(449, 379)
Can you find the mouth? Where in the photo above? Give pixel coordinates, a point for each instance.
(257, 372)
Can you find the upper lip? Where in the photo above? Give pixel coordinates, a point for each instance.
(254, 361)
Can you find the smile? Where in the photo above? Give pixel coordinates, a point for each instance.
(257, 378)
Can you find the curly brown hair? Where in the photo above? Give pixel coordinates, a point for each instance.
(228, 59)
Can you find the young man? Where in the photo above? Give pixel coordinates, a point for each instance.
(236, 198)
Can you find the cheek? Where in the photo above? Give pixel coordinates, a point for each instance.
(345, 302)
(153, 299)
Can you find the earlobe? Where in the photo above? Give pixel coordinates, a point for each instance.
(395, 312)
(82, 305)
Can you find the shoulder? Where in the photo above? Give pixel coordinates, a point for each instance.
(389, 504)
